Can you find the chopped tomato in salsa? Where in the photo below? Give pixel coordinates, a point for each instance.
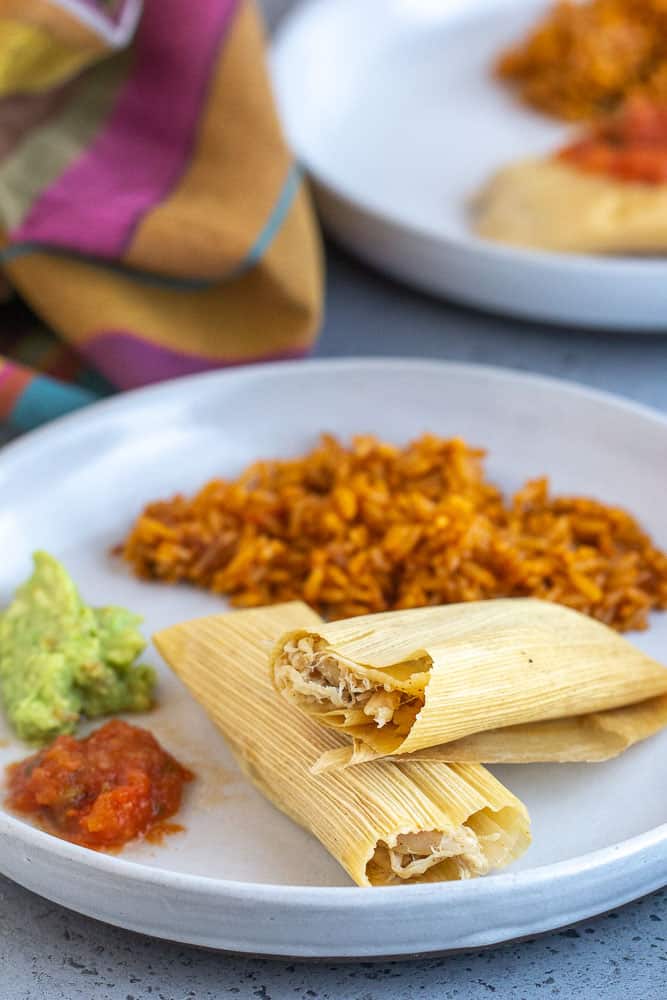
(102, 791)
(629, 146)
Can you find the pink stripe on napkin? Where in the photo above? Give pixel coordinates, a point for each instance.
(141, 152)
(128, 361)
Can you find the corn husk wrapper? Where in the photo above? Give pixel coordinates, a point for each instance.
(469, 669)
(587, 739)
(360, 814)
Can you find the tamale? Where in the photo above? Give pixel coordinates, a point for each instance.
(407, 681)
(386, 823)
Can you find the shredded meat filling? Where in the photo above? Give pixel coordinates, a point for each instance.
(316, 675)
(414, 854)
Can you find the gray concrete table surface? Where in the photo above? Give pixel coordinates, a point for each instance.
(48, 953)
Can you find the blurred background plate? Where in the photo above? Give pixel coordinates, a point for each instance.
(392, 107)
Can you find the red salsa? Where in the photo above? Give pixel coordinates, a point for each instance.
(628, 146)
(102, 791)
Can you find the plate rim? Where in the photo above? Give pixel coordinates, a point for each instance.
(304, 896)
(597, 264)
(118, 400)
(314, 895)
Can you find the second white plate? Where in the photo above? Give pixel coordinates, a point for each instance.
(392, 107)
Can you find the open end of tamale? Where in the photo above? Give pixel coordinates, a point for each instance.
(331, 686)
(468, 851)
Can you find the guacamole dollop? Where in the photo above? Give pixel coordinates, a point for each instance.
(61, 659)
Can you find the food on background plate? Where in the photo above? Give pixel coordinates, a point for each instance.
(61, 659)
(102, 791)
(584, 58)
(373, 527)
(630, 145)
(386, 823)
(605, 192)
(406, 681)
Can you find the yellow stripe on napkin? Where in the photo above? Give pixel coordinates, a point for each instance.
(32, 60)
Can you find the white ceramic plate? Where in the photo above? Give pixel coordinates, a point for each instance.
(243, 877)
(391, 106)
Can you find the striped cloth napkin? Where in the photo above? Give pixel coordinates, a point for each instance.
(151, 214)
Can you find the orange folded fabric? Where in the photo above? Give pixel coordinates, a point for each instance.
(150, 209)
